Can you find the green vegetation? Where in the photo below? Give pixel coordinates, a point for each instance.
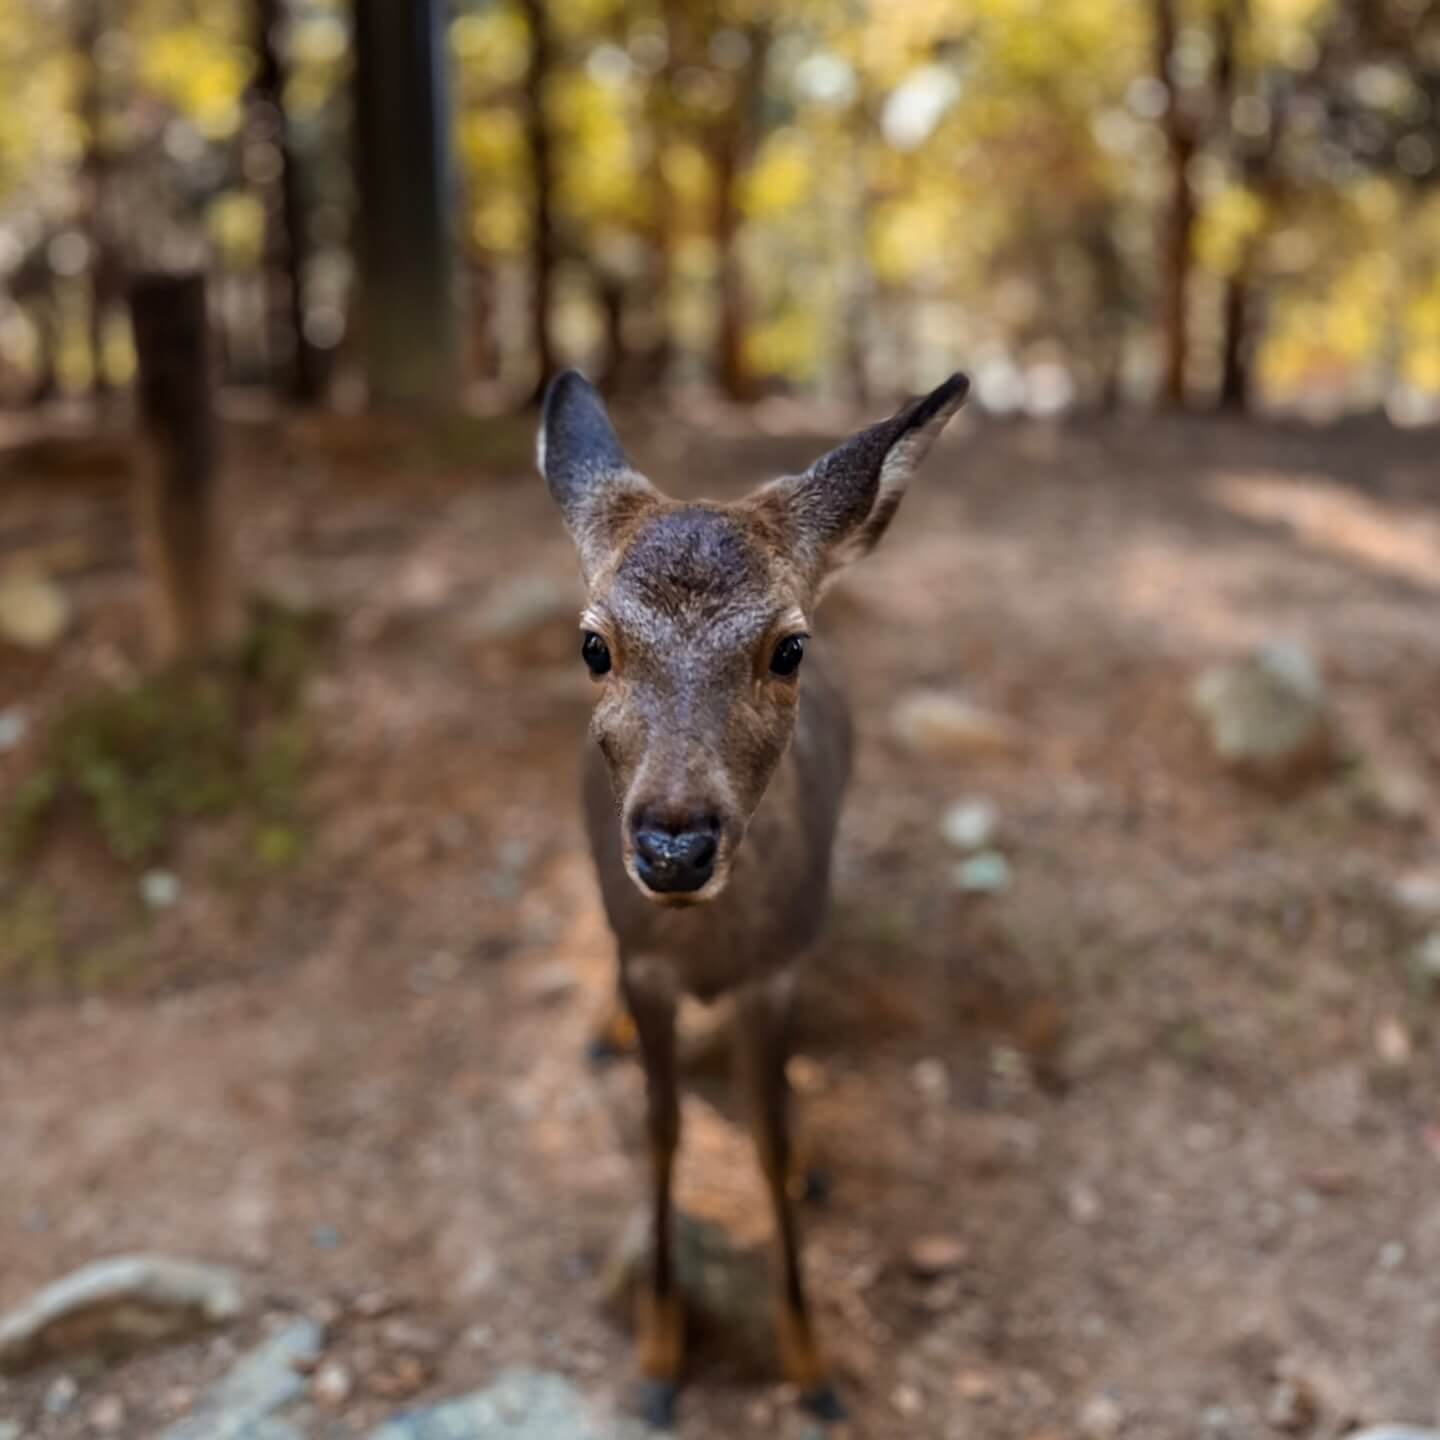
(186, 744)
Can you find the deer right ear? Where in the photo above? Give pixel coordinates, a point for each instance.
(585, 467)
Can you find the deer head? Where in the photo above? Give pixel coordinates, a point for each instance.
(697, 618)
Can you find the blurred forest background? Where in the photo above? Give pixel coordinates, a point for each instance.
(1087, 202)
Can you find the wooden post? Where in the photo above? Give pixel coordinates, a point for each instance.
(175, 490)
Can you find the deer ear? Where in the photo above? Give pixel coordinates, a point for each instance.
(841, 506)
(581, 458)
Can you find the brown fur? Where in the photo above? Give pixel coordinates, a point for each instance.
(691, 601)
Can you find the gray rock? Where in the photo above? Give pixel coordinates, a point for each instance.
(1418, 894)
(244, 1404)
(14, 726)
(116, 1305)
(970, 824)
(1268, 716)
(520, 1405)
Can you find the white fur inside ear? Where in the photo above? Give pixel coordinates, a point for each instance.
(540, 449)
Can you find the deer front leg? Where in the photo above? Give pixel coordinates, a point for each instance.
(763, 1034)
(660, 1323)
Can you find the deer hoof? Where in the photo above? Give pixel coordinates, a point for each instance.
(657, 1403)
(825, 1404)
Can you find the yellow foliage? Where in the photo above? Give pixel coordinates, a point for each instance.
(200, 74)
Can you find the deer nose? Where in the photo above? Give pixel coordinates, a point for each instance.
(675, 859)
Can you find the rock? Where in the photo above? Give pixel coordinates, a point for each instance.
(970, 824)
(61, 1395)
(726, 1285)
(1399, 796)
(1268, 716)
(13, 728)
(245, 1401)
(34, 610)
(946, 724)
(1418, 894)
(159, 889)
(116, 1305)
(1424, 963)
(987, 873)
(930, 1256)
(1394, 1432)
(931, 1079)
(107, 1415)
(333, 1384)
(1102, 1418)
(519, 1405)
(908, 1401)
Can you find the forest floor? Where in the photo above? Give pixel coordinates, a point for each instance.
(1175, 1093)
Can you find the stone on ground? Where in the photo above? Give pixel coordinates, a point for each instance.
(948, 725)
(117, 1305)
(726, 1285)
(34, 610)
(244, 1405)
(970, 824)
(1268, 717)
(520, 1405)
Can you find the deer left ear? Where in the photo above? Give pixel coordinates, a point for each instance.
(587, 470)
(841, 506)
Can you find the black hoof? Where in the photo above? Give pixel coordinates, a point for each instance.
(657, 1403)
(818, 1186)
(825, 1405)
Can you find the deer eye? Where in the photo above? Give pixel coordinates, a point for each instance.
(788, 655)
(595, 653)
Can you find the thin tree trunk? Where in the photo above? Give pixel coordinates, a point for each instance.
(176, 483)
(409, 320)
(1235, 344)
(731, 144)
(543, 239)
(1178, 239)
(293, 359)
(95, 172)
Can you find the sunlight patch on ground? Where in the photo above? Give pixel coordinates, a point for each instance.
(1402, 543)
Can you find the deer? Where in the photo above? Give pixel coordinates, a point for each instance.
(713, 786)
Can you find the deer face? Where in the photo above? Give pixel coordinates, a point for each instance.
(697, 618)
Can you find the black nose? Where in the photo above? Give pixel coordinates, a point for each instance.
(674, 859)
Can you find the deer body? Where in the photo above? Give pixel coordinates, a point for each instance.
(713, 789)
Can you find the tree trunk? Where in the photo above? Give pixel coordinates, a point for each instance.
(294, 363)
(1178, 239)
(1236, 342)
(409, 321)
(731, 144)
(543, 246)
(94, 179)
(176, 479)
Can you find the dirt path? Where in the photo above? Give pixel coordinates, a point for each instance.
(1143, 1086)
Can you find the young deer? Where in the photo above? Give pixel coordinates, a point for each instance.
(698, 617)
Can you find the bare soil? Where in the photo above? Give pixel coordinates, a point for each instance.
(1175, 1091)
